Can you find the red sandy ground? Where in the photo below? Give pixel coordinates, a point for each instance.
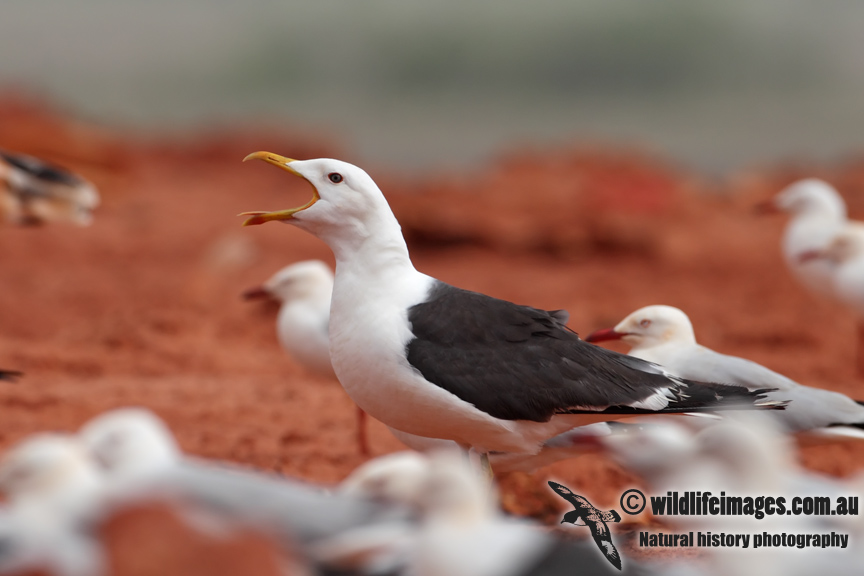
(142, 308)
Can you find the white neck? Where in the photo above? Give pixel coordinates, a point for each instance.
(375, 247)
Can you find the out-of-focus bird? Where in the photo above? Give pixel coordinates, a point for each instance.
(845, 254)
(817, 213)
(53, 501)
(461, 530)
(10, 375)
(140, 460)
(303, 290)
(33, 191)
(664, 335)
(437, 361)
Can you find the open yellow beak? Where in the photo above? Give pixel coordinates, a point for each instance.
(285, 164)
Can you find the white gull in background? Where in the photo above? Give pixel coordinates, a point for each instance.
(303, 290)
(434, 360)
(817, 212)
(33, 191)
(53, 502)
(845, 253)
(743, 455)
(461, 529)
(140, 460)
(664, 335)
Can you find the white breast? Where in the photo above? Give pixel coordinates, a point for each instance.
(302, 331)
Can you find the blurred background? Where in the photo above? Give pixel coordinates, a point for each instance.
(411, 85)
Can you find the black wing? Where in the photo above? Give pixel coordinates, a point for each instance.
(520, 363)
(40, 169)
(10, 375)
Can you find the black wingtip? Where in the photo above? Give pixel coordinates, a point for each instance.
(859, 425)
(861, 402)
(615, 516)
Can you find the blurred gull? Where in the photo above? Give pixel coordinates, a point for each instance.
(53, 493)
(438, 361)
(817, 213)
(845, 253)
(744, 454)
(664, 335)
(461, 531)
(33, 191)
(303, 289)
(141, 460)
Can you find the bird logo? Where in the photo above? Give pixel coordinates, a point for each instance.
(585, 514)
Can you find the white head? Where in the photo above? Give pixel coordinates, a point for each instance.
(347, 209)
(648, 327)
(306, 280)
(811, 196)
(47, 466)
(130, 442)
(397, 477)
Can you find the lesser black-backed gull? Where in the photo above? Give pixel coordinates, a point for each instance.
(439, 361)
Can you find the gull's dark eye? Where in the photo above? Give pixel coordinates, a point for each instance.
(335, 177)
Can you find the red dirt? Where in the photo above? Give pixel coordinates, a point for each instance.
(143, 307)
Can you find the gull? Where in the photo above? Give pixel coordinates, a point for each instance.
(140, 459)
(461, 530)
(664, 335)
(303, 290)
(438, 361)
(33, 191)
(845, 253)
(817, 212)
(53, 503)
